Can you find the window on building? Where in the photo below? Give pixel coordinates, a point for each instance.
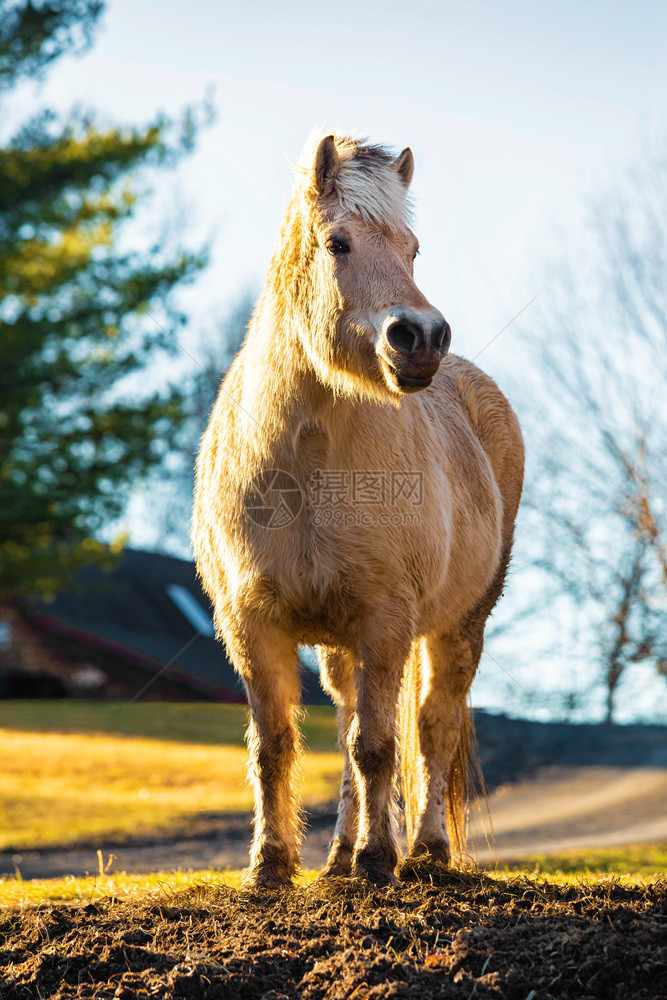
(189, 606)
(5, 634)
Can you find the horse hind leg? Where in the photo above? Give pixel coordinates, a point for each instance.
(337, 668)
(266, 660)
(448, 665)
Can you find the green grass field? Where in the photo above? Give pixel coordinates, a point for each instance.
(77, 772)
(636, 861)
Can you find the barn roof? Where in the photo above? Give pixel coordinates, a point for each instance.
(150, 610)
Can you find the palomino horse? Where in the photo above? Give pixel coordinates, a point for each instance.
(356, 490)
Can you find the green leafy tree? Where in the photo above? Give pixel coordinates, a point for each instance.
(34, 34)
(84, 321)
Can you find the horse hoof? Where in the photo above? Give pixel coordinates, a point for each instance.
(376, 866)
(334, 869)
(432, 850)
(339, 862)
(264, 877)
(272, 868)
(379, 877)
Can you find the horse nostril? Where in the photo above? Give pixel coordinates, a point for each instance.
(403, 336)
(441, 335)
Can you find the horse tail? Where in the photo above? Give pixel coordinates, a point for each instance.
(409, 737)
(465, 781)
(465, 786)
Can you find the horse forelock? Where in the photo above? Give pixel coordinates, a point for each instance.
(366, 184)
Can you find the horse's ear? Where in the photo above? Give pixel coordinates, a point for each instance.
(326, 165)
(404, 166)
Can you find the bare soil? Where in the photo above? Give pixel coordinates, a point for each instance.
(441, 933)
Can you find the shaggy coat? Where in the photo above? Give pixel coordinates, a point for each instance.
(356, 490)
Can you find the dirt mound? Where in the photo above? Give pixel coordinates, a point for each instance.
(456, 934)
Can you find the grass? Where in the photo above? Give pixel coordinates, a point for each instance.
(70, 889)
(636, 861)
(78, 772)
(206, 724)
(92, 772)
(632, 864)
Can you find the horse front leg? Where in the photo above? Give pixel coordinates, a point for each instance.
(372, 744)
(337, 668)
(266, 660)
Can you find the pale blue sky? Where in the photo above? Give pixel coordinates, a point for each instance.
(514, 110)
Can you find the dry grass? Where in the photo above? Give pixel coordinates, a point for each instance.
(632, 865)
(88, 773)
(116, 885)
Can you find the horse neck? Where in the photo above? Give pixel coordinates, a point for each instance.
(282, 385)
(281, 389)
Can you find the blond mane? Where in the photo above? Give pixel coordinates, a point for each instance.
(367, 183)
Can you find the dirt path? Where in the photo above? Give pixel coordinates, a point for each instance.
(564, 808)
(558, 809)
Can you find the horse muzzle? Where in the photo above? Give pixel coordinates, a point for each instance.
(411, 346)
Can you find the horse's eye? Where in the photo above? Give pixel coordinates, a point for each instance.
(338, 247)
(415, 255)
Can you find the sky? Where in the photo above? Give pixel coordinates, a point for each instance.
(517, 112)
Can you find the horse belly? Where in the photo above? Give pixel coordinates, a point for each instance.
(474, 553)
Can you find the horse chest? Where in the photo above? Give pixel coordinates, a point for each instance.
(347, 573)
(317, 586)
(373, 531)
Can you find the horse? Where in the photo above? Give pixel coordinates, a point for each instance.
(356, 490)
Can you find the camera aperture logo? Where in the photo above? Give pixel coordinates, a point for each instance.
(275, 499)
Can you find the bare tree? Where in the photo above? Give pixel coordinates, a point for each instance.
(595, 417)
